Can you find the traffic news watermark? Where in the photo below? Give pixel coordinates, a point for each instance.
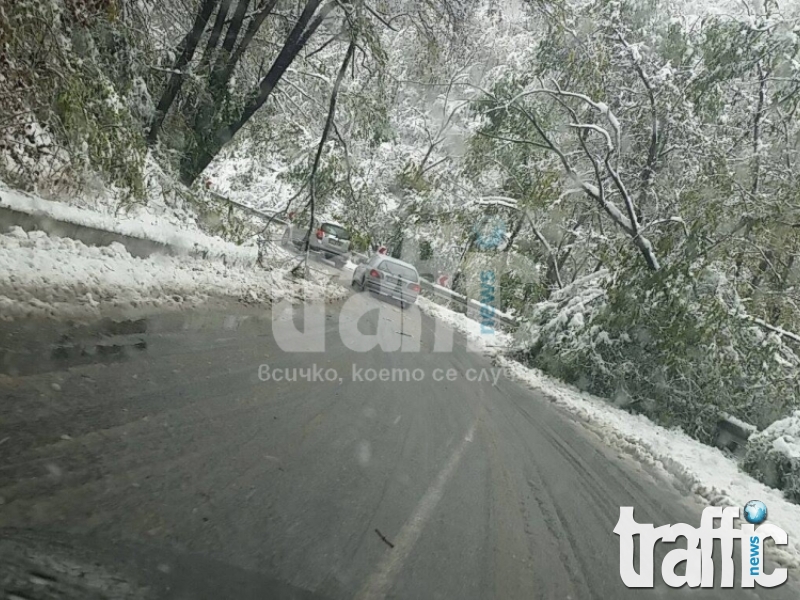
(698, 555)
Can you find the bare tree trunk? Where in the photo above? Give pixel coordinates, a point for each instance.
(189, 46)
(197, 161)
(196, 108)
(216, 34)
(762, 98)
(755, 186)
(227, 46)
(207, 104)
(514, 233)
(252, 29)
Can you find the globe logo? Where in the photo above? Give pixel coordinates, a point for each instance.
(755, 512)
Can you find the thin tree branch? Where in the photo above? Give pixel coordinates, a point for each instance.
(329, 121)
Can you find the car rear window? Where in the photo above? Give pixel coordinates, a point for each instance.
(339, 232)
(401, 270)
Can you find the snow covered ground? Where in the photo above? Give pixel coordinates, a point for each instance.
(490, 342)
(707, 471)
(48, 276)
(157, 222)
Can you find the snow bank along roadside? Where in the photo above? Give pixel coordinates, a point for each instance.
(163, 228)
(706, 470)
(474, 330)
(773, 455)
(51, 276)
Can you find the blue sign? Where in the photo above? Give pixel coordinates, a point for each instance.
(489, 233)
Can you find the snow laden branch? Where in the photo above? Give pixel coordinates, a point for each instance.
(604, 167)
(548, 248)
(600, 130)
(762, 323)
(513, 204)
(652, 152)
(435, 138)
(498, 201)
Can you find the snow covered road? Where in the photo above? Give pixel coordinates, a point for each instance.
(166, 437)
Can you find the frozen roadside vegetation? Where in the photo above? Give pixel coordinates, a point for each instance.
(46, 276)
(707, 471)
(680, 349)
(773, 455)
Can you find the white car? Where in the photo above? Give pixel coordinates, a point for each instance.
(390, 277)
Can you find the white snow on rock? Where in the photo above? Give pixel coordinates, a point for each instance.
(785, 435)
(706, 470)
(48, 276)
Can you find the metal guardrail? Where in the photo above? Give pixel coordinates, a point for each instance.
(268, 217)
(732, 435)
(357, 257)
(470, 305)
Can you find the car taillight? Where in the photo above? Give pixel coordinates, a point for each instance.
(414, 287)
(375, 274)
(320, 234)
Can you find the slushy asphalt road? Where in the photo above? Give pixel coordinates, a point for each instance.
(145, 458)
